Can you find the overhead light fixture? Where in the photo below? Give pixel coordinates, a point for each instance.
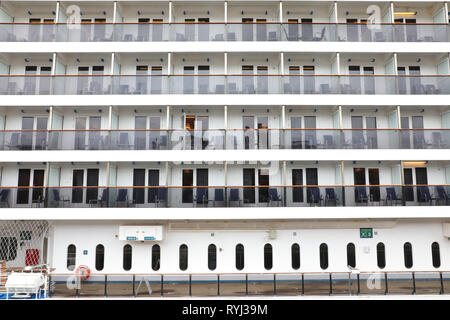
(406, 13)
(413, 164)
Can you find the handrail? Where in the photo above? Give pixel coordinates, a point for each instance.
(247, 273)
(229, 186)
(227, 75)
(230, 22)
(229, 129)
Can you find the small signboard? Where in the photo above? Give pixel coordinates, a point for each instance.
(366, 233)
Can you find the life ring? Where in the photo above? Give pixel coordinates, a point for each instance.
(83, 272)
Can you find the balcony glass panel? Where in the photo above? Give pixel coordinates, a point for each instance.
(220, 139)
(230, 196)
(250, 31)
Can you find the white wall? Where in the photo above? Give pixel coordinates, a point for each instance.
(86, 236)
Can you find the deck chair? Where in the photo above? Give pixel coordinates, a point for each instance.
(391, 196)
(328, 142)
(361, 195)
(424, 195)
(201, 196)
(57, 199)
(122, 197)
(4, 198)
(100, 202)
(14, 142)
(234, 196)
(330, 197)
(442, 196)
(161, 197)
(274, 197)
(124, 143)
(321, 35)
(218, 196)
(314, 196)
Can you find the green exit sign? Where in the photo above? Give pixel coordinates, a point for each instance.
(366, 233)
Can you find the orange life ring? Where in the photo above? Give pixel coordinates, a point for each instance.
(83, 272)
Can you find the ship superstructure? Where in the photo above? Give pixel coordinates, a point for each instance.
(219, 147)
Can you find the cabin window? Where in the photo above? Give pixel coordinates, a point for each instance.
(407, 250)
(436, 254)
(212, 257)
(183, 257)
(323, 256)
(239, 257)
(156, 257)
(99, 257)
(381, 255)
(295, 254)
(268, 258)
(351, 256)
(127, 257)
(71, 256)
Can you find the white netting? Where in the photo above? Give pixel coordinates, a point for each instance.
(22, 243)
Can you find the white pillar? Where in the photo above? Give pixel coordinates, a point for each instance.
(391, 8)
(225, 63)
(53, 72)
(282, 63)
(113, 58)
(335, 8)
(115, 12)
(57, 12)
(167, 117)
(225, 117)
(169, 63)
(170, 11)
(281, 12)
(225, 14)
(50, 118)
(283, 117)
(399, 118)
(110, 111)
(341, 122)
(395, 64)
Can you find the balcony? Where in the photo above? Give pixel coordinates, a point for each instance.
(225, 196)
(221, 139)
(216, 31)
(224, 84)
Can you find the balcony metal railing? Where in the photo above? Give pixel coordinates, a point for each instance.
(219, 31)
(224, 196)
(221, 139)
(223, 84)
(249, 284)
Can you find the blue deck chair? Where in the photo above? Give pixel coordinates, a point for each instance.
(391, 195)
(57, 198)
(361, 195)
(122, 197)
(161, 196)
(425, 195)
(4, 197)
(201, 196)
(315, 196)
(273, 196)
(234, 196)
(442, 196)
(330, 196)
(218, 196)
